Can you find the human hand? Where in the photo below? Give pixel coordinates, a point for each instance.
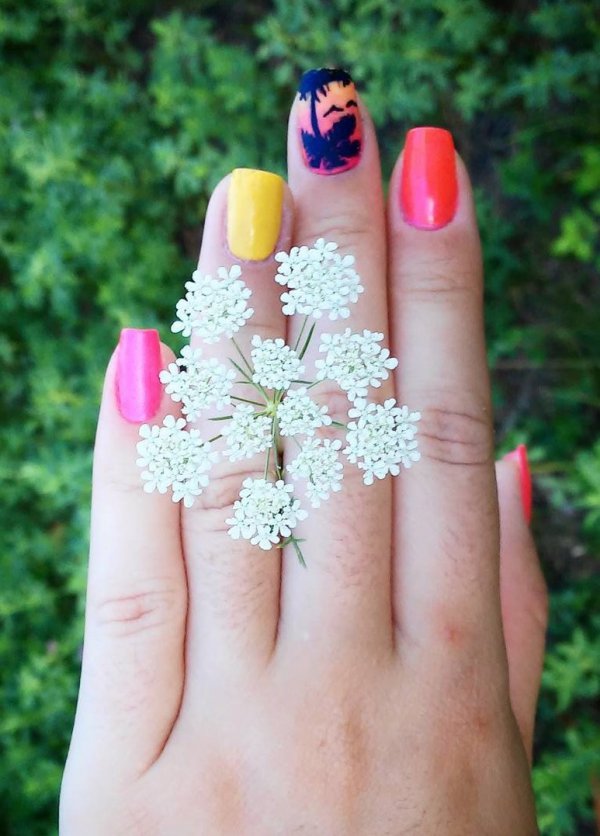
(388, 688)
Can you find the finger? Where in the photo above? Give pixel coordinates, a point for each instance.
(132, 669)
(523, 594)
(446, 572)
(345, 591)
(234, 586)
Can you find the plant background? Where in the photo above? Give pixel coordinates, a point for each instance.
(117, 118)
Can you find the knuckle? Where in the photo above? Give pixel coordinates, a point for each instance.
(457, 432)
(348, 229)
(151, 606)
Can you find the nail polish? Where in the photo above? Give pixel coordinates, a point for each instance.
(428, 189)
(519, 455)
(254, 207)
(138, 388)
(329, 121)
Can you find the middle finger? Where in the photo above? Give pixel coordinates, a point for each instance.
(334, 174)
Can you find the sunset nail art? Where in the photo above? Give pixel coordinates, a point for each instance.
(329, 122)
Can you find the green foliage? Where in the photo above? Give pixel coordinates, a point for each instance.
(116, 121)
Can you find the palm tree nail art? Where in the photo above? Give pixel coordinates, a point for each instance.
(329, 121)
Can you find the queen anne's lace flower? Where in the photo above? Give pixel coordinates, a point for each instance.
(318, 280)
(247, 433)
(197, 383)
(298, 414)
(275, 363)
(213, 307)
(381, 438)
(318, 462)
(173, 457)
(264, 513)
(355, 361)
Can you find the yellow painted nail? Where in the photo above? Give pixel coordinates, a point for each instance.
(254, 206)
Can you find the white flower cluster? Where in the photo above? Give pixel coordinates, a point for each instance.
(247, 433)
(298, 414)
(318, 461)
(213, 308)
(197, 383)
(381, 438)
(276, 365)
(261, 406)
(354, 361)
(265, 512)
(172, 457)
(318, 280)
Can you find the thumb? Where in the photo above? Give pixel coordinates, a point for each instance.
(523, 592)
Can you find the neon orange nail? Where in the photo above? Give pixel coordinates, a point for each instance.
(428, 189)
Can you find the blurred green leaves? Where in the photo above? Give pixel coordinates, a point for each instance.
(117, 119)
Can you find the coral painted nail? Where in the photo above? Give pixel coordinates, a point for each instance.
(329, 121)
(138, 388)
(254, 206)
(519, 455)
(428, 189)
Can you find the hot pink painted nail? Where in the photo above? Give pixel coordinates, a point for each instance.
(519, 455)
(138, 388)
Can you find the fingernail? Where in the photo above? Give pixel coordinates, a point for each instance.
(329, 121)
(519, 455)
(254, 206)
(428, 191)
(138, 388)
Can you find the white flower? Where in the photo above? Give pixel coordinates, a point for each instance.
(355, 361)
(298, 414)
(275, 363)
(202, 383)
(247, 433)
(213, 307)
(264, 513)
(318, 279)
(175, 458)
(318, 462)
(381, 438)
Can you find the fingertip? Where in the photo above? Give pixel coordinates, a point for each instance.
(430, 187)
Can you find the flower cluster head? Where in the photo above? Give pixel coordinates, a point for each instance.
(213, 308)
(265, 512)
(355, 361)
(262, 384)
(172, 457)
(381, 438)
(319, 463)
(318, 281)
(197, 383)
(275, 364)
(298, 414)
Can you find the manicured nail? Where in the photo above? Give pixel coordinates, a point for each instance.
(254, 206)
(428, 191)
(329, 122)
(519, 455)
(138, 388)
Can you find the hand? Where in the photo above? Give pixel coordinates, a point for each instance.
(388, 688)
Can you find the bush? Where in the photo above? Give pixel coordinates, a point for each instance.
(116, 120)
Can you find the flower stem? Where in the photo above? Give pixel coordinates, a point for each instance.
(215, 438)
(245, 400)
(301, 332)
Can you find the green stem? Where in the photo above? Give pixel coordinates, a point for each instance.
(242, 355)
(215, 438)
(245, 400)
(301, 332)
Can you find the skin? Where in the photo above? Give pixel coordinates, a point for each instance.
(388, 689)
